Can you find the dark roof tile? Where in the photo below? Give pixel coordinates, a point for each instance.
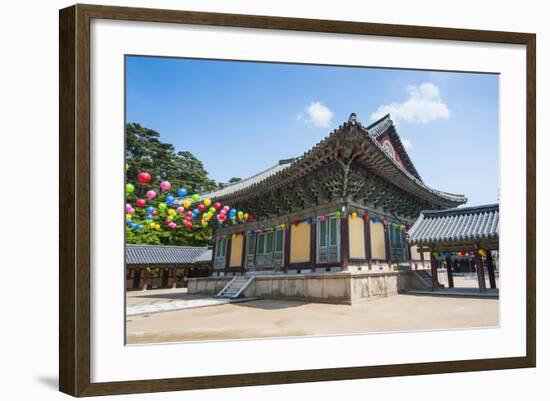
(163, 254)
(467, 223)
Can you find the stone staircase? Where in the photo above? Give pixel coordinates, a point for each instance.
(235, 287)
(426, 277)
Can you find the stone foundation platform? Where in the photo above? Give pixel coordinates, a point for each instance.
(340, 288)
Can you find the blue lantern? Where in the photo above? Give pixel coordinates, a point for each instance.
(182, 192)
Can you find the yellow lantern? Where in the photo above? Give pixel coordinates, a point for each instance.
(186, 203)
(207, 202)
(353, 215)
(482, 252)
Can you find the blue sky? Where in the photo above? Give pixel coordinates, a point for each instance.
(242, 117)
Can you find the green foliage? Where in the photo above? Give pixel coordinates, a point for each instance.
(146, 153)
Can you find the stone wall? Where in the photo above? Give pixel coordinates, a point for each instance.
(206, 285)
(342, 287)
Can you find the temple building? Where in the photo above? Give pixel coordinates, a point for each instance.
(344, 205)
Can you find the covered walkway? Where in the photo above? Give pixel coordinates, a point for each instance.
(462, 231)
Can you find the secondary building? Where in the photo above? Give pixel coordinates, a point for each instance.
(452, 236)
(164, 266)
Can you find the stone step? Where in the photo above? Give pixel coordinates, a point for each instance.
(235, 287)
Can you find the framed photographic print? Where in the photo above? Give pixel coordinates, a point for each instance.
(249, 200)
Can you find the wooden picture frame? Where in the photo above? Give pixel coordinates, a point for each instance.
(74, 204)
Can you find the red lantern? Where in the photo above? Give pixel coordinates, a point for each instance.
(217, 205)
(141, 202)
(366, 217)
(154, 213)
(201, 208)
(144, 178)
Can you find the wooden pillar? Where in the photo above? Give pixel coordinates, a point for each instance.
(313, 244)
(491, 270)
(387, 245)
(213, 261)
(449, 264)
(243, 254)
(344, 243)
(175, 277)
(421, 257)
(286, 257)
(480, 271)
(433, 265)
(368, 245)
(145, 276)
(228, 254)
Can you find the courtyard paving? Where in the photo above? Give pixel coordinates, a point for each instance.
(267, 318)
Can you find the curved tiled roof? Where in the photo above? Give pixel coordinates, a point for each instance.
(385, 163)
(462, 224)
(385, 124)
(247, 182)
(164, 254)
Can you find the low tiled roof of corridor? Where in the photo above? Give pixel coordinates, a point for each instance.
(164, 254)
(466, 223)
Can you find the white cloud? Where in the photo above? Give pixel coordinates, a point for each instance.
(316, 115)
(407, 143)
(423, 105)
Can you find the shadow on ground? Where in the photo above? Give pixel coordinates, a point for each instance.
(270, 304)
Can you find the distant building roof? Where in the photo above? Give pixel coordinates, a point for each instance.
(478, 223)
(163, 254)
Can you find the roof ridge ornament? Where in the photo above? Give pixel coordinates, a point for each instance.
(353, 119)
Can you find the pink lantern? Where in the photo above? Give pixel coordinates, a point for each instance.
(180, 209)
(151, 194)
(165, 186)
(322, 217)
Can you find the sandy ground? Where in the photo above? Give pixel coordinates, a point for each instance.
(282, 318)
